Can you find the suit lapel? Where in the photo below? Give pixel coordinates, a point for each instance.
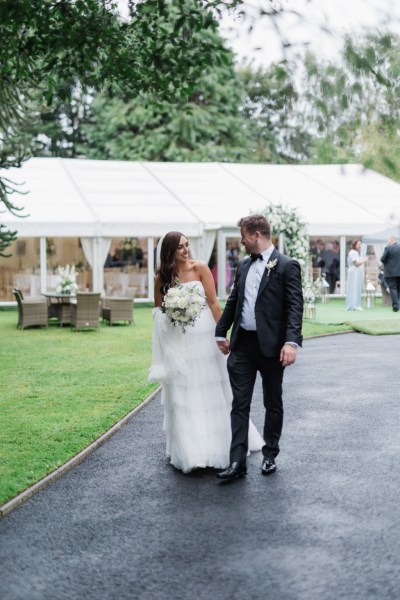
(265, 278)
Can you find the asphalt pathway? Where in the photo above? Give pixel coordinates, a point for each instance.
(125, 525)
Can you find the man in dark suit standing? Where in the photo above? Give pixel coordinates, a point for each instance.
(391, 263)
(266, 310)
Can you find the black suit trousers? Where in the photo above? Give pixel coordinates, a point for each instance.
(243, 364)
(393, 284)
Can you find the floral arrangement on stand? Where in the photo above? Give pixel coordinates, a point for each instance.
(183, 304)
(310, 295)
(286, 220)
(67, 283)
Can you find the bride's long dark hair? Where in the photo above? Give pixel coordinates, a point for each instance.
(167, 268)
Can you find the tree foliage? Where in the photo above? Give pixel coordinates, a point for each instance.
(353, 107)
(87, 42)
(56, 129)
(207, 126)
(269, 109)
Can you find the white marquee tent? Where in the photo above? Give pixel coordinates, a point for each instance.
(98, 200)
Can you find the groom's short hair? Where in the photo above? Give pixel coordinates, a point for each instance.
(256, 222)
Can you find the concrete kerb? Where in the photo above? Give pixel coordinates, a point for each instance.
(320, 335)
(74, 461)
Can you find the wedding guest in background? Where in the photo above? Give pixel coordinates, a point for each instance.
(391, 263)
(116, 260)
(137, 254)
(336, 264)
(316, 248)
(313, 252)
(327, 257)
(355, 276)
(108, 261)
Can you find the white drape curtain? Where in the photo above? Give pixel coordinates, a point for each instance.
(104, 249)
(378, 249)
(87, 247)
(201, 247)
(96, 250)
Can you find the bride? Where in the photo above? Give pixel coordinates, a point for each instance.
(196, 393)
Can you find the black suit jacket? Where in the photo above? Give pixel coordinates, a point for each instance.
(279, 306)
(391, 260)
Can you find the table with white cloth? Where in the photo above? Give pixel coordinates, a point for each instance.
(29, 283)
(120, 283)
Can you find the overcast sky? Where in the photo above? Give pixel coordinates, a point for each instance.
(340, 16)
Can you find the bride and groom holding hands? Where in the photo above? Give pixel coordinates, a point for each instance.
(207, 396)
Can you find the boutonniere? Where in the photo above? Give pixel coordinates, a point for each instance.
(271, 264)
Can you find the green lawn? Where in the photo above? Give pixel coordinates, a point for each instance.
(61, 389)
(380, 320)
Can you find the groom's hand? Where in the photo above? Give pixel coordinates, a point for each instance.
(288, 355)
(223, 346)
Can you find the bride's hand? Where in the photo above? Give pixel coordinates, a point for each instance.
(223, 346)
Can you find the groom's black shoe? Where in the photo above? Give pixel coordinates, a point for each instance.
(268, 466)
(234, 471)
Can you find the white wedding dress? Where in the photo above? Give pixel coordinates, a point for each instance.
(196, 393)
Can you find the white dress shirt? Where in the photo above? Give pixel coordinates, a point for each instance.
(252, 285)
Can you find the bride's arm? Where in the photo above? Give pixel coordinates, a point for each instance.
(207, 280)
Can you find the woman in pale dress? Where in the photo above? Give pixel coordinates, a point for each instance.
(196, 393)
(355, 276)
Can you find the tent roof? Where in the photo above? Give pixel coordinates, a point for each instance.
(381, 236)
(79, 197)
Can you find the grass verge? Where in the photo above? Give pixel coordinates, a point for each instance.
(377, 327)
(62, 389)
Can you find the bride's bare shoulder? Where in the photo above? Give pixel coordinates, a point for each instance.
(199, 265)
(200, 269)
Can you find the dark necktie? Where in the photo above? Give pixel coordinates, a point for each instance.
(255, 256)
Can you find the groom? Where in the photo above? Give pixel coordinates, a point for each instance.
(266, 309)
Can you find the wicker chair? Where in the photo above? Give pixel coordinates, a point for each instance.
(31, 312)
(85, 312)
(117, 309)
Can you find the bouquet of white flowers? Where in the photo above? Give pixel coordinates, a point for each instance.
(183, 304)
(67, 283)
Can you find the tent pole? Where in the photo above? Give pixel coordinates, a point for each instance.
(150, 267)
(221, 264)
(343, 258)
(43, 265)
